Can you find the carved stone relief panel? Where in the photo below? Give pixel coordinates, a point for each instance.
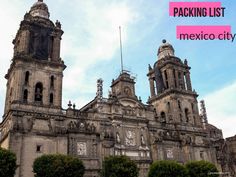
(169, 153)
(82, 148)
(198, 140)
(130, 138)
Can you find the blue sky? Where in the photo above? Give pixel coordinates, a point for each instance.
(90, 49)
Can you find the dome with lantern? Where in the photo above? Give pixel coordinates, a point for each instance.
(165, 50)
(39, 9)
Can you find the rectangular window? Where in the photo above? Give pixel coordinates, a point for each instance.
(38, 148)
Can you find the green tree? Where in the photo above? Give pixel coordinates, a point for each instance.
(57, 165)
(119, 166)
(7, 163)
(201, 169)
(167, 169)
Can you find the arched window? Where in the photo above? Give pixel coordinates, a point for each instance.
(39, 92)
(193, 109)
(181, 118)
(52, 81)
(163, 117)
(25, 95)
(168, 107)
(186, 114)
(51, 98)
(27, 77)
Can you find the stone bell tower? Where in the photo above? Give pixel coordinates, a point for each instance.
(171, 90)
(35, 75)
(34, 90)
(123, 86)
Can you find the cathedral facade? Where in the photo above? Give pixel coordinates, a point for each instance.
(168, 127)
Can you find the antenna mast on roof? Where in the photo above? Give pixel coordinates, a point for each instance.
(121, 54)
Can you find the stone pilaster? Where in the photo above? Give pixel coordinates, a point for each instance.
(152, 88)
(188, 81)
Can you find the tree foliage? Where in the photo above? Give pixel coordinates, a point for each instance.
(201, 169)
(167, 169)
(119, 166)
(7, 163)
(57, 165)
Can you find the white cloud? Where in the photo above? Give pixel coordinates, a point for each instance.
(96, 40)
(221, 110)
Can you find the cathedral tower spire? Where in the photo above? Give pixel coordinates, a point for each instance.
(170, 85)
(36, 71)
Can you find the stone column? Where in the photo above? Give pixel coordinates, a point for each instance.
(182, 80)
(58, 93)
(152, 88)
(7, 97)
(18, 85)
(164, 78)
(56, 48)
(24, 42)
(171, 78)
(177, 78)
(188, 81)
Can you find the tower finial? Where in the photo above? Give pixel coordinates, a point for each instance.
(121, 54)
(203, 113)
(99, 89)
(164, 41)
(40, 0)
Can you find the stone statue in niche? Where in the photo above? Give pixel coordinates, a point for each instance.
(81, 126)
(72, 125)
(169, 154)
(118, 138)
(143, 140)
(40, 43)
